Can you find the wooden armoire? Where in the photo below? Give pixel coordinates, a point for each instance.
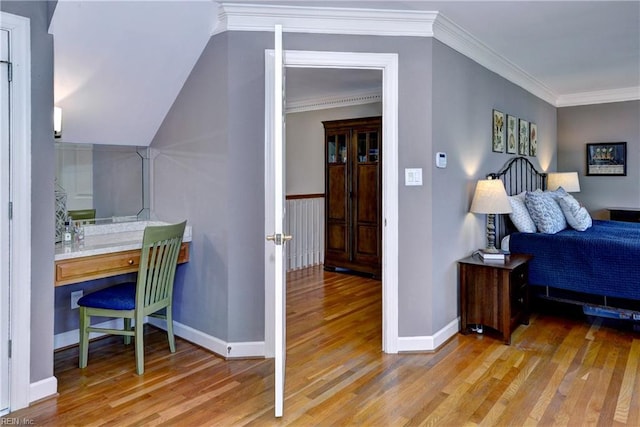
(353, 195)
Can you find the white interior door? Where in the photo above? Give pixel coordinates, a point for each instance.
(4, 221)
(276, 164)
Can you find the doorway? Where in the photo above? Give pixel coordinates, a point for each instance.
(17, 298)
(388, 64)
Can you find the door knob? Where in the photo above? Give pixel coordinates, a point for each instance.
(278, 238)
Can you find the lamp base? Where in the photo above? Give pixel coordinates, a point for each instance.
(492, 250)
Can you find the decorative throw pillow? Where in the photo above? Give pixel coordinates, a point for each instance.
(576, 215)
(545, 211)
(520, 215)
(557, 193)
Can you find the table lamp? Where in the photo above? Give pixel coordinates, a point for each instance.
(567, 180)
(490, 198)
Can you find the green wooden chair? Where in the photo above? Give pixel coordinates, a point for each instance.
(150, 295)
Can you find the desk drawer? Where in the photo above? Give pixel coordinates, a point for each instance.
(77, 270)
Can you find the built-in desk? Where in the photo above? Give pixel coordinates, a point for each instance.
(107, 250)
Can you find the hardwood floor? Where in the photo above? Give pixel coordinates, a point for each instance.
(559, 370)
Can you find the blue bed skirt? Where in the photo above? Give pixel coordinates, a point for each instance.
(603, 260)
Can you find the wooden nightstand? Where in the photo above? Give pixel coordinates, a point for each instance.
(495, 295)
(624, 214)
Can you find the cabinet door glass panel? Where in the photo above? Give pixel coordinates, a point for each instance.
(342, 148)
(362, 147)
(337, 148)
(331, 149)
(373, 147)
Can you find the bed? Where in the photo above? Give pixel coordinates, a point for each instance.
(598, 268)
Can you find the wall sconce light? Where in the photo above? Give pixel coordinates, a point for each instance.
(567, 180)
(490, 198)
(57, 122)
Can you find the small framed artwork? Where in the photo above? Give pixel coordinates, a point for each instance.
(512, 134)
(523, 138)
(533, 139)
(607, 158)
(498, 131)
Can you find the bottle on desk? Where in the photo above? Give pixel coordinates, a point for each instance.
(68, 233)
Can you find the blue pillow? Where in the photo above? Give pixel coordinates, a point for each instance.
(545, 211)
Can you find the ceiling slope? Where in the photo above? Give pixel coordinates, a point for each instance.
(119, 65)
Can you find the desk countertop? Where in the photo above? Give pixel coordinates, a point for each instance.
(109, 238)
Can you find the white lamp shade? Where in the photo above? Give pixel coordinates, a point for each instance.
(490, 198)
(567, 180)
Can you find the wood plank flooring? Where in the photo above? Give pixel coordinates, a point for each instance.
(559, 370)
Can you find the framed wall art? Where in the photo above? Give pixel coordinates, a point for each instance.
(512, 134)
(498, 132)
(523, 138)
(607, 158)
(533, 139)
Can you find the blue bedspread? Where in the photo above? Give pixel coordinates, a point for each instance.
(603, 260)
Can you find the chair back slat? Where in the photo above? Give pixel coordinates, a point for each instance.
(158, 261)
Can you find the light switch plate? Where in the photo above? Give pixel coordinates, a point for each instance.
(412, 176)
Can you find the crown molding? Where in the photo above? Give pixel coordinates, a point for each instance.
(414, 23)
(599, 97)
(459, 39)
(324, 20)
(334, 101)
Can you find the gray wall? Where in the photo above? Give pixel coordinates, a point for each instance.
(42, 176)
(464, 95)
(190, 179)
(305, 144)
(211, 167)
(613, 122)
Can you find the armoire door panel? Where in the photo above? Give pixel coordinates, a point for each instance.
(367, 240)
(367, 194)
(337, 237)
(337, 193)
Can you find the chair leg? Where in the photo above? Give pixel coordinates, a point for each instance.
(127, 327)
(170, 336)
(84, 337)
(139, 339)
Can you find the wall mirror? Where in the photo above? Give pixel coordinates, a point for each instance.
(112, 179)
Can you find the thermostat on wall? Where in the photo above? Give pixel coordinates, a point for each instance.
(441, 159)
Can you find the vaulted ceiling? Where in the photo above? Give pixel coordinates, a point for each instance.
(119, 65)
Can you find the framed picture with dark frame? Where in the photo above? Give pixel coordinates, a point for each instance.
(607, 158)
(533, 139)
(512, 134)
(523, 138)
(498, 132)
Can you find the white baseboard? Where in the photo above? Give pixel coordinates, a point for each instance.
(216, 345)
(223, 348)
(43, 388)
(430, 342)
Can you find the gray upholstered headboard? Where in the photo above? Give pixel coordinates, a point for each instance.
(518, 175)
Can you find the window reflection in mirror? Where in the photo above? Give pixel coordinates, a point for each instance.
(112, 179)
